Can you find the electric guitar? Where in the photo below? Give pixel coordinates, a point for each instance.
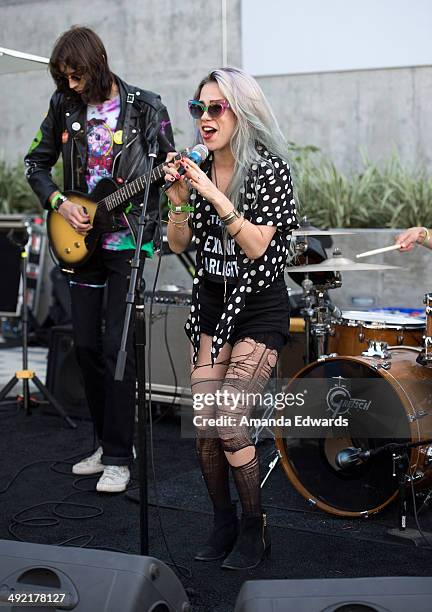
(73, 249)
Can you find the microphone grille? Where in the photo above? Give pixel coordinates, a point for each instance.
(202, 151)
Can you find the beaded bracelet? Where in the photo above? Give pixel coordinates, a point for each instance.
(180, 208)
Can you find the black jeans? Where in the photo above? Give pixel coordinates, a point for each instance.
(111, 403)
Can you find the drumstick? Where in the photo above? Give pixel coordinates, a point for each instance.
(393, 247)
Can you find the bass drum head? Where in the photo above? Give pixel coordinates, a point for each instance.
(310, 463)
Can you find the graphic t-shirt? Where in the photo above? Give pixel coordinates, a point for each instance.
(101, 130)
(220, 260)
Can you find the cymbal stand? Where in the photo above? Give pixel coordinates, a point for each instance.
(322, 316)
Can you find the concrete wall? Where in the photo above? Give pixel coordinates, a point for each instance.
(379, 111)
(168, 46)
(165, 46)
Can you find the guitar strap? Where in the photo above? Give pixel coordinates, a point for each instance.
(129, 103)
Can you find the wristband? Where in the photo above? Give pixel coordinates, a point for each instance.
(55, 204)
(180, 208)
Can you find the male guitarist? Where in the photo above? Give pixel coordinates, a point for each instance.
(102, 127)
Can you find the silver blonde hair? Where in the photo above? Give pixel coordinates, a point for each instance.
(256, 124)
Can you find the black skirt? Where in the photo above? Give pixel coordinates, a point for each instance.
(265, 317)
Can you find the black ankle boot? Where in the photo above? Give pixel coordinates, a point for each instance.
(252, 544)
(223, 536)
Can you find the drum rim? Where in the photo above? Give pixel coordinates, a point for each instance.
(414, 323)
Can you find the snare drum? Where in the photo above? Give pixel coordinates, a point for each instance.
(350, 334)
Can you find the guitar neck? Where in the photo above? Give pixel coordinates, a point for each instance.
(133, 188)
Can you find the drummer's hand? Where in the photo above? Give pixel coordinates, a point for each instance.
(410, 237)
(179, 192)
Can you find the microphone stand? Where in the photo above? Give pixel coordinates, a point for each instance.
(400, 459)
(140, 344)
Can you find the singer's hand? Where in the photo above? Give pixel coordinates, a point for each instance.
(179, 192)
(200, 181)
(410, 237)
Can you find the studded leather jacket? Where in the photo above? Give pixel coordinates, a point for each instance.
(63, 132)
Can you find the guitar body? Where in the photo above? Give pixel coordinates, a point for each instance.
(71, 248)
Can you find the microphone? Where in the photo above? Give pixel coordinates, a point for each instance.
(198, 154)
(349, 457)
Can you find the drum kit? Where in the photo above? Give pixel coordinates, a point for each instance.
(387, 359)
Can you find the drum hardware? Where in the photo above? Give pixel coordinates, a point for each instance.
(417, 415)
(377, 348)
(271, 466)
(381, 365)
(425, 357)
(318, 314)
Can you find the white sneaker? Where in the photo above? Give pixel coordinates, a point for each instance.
(114, 479)
(90, 465)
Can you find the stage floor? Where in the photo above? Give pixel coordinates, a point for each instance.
(307, 543)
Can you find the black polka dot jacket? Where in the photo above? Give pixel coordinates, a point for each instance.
(267, 199)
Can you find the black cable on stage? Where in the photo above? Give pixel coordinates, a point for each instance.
(173, 370)
(49, 521)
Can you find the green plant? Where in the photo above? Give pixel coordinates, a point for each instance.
(16, 196)
(389, 196)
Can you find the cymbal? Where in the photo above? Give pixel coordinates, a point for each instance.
(318, 232)
(340, 264)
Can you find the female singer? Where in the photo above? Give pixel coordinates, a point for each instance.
(239, 208)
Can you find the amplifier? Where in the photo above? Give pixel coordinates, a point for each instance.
(170, 347)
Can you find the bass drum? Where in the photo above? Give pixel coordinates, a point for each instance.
(390, 401)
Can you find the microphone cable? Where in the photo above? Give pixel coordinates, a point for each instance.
(185, 572)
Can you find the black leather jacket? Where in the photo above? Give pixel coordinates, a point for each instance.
(63, 131)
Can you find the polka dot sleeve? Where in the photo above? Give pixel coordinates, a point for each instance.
(275, 204)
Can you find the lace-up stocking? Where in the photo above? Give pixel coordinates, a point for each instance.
(215, 470)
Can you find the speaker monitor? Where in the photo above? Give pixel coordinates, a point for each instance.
(86, 580)
(64, 378)
(388, 594)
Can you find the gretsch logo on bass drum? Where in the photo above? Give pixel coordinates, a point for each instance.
(340, 402)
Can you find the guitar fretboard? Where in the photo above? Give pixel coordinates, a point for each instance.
(133, 188)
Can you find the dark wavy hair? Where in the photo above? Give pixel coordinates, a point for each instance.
(82, 50)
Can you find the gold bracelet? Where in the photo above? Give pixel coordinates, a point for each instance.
(231, 217)
(182, 222)
(427, 236)
(239, 229)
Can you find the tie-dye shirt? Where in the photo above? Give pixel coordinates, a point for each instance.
(101, 126)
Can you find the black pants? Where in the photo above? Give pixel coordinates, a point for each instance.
(111, 403)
